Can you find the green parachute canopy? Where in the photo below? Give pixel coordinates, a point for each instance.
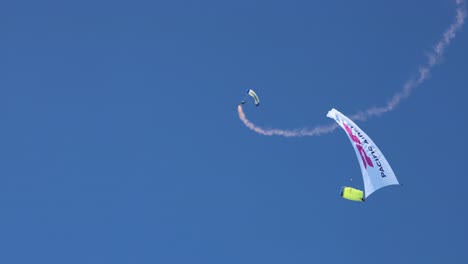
(352, 194)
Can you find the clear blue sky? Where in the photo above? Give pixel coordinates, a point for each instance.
(120, 141)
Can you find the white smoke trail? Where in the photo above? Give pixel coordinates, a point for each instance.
(424, 70)
(423, 74)
(319, 130)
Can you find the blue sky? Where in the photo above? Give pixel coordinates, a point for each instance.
(120, 141)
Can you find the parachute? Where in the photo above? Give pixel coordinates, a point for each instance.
(376, 172)
(254, 96)
(352, 194)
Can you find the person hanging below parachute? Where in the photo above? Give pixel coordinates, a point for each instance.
(376, 171)
(254, 96)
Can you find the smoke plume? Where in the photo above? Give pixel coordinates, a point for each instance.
(422, 75)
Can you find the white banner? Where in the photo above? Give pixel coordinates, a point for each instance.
(376, 171)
